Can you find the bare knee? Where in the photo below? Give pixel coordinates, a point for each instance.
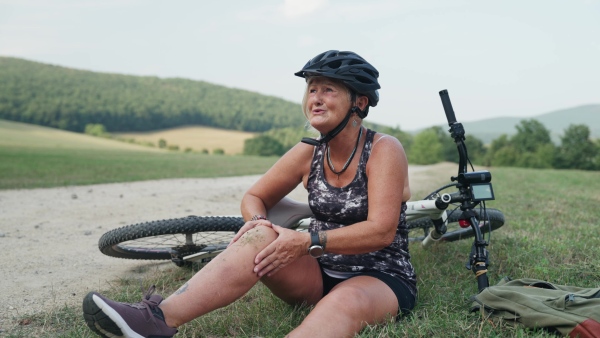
(298, 283)
(258, 237)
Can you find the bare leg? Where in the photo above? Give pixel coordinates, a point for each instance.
(223, 280)
(348, 308)
(297, 283)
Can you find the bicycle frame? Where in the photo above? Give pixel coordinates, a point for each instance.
(292, 214)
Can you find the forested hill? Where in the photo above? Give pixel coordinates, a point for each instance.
(69, 99)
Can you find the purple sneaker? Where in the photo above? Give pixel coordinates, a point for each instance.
(114, 319)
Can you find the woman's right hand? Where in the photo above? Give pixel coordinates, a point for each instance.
(249, 226)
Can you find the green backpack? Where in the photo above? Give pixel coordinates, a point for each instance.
(570, 310)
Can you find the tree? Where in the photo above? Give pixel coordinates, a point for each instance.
(533, 145)
(95, 129)
(474, 145)
(426, 148)
(542, 157)
(263, 145)
(504, 157)
(530, 135)
(577, 150)
(449, 152)
(476, 148)
(405, 138)
(496, 146)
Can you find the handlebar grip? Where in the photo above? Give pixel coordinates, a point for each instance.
(447, 107)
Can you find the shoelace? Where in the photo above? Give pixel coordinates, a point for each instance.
(152, 304)
(148, 293)
(147, 302)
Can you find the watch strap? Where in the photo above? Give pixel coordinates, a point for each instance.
(314, 238)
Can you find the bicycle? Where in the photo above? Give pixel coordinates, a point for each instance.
(200, 238)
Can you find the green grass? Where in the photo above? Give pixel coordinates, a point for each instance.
(39, 157)
(30, 167)
(551, 234)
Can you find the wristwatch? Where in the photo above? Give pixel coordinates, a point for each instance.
(316, 249)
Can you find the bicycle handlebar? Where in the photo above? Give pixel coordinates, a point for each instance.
(478, 260)
(447, 107)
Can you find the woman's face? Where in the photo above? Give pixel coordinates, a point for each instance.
(326, 103)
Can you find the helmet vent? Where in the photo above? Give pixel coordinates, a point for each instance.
(334, 64)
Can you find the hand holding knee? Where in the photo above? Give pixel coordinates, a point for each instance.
(249, 226)
(288, 247)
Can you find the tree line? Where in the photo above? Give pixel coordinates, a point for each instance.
(70, 99)
(530, 147)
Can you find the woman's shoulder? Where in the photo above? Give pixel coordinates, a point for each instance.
(387, 149)
(300, 152)
(385, 140)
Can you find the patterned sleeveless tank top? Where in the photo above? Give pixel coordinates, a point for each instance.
(335, 207)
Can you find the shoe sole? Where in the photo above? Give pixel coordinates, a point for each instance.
(104, 320)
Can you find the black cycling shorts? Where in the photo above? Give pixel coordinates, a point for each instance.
(406, 300)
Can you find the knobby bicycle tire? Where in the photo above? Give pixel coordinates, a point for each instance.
(455, 232)
(173, 239)
(170, 239)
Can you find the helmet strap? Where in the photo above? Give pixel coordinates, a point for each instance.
(360, 113)
(326, 138)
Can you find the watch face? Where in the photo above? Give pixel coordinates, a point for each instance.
(316, 251)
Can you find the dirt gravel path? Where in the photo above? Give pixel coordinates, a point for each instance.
(49, 237)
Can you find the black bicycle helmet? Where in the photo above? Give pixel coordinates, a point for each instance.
(355, 72)
(348, 67)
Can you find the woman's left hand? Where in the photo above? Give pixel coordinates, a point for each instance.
(289, 246)
(249, 226)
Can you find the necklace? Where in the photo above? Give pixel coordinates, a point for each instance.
(330, 164)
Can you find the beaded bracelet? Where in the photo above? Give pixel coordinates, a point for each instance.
(257, 217)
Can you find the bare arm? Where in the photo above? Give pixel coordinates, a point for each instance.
(278, 181)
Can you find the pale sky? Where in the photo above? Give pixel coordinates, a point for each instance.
(496, 58)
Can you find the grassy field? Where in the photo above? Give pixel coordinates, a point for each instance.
(33, 156)
(23, 135)
(551, 234)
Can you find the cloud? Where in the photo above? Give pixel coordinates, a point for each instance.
(296, 8)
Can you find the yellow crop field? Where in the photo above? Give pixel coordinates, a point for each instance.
(197, 138)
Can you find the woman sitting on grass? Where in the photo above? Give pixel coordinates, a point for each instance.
(353, 265)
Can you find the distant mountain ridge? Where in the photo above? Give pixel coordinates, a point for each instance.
(556, 122)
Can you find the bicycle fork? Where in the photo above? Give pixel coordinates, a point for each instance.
(479, 258)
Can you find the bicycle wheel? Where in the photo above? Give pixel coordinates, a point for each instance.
(455, 232)
(170, 239)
